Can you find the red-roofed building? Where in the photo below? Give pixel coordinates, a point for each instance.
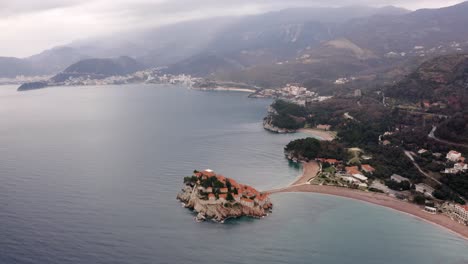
(222, 197)
(367, 168)
(211, 197)
(261, 199)
(331, 161)
(223, 190)
(352, 170)
(247, 202)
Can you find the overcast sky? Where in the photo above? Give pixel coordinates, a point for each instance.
(29, 26)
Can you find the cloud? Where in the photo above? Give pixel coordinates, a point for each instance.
(47, 23)
(19, 7)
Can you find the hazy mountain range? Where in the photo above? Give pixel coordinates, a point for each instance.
(292, 44)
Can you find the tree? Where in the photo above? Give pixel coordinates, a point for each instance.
(229, 197)
(419, 199)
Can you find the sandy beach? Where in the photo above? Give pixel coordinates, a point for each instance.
(382, 200)
(320, 134)
(309, 170)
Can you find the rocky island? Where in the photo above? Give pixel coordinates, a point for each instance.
(218, 198)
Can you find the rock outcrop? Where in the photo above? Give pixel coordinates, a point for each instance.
(218, 198)
(32, 86)
(268, 125)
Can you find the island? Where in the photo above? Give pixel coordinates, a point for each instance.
(215, 197)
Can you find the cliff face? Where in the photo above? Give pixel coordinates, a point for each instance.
(218, 208)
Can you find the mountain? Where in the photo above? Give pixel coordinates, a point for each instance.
(99, 68)
(11, 67)
(273, 32)
(440, 81)
(55, 60)
(288, 45)
(244, 40)
(278, 36)
(428, 28)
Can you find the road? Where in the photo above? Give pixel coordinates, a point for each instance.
(409, 154)
(432, 136)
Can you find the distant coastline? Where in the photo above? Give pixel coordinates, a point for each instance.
(229, 89)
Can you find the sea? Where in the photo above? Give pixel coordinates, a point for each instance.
(90, 175)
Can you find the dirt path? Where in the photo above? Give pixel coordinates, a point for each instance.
(410, 156)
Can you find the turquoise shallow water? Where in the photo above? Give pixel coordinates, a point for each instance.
(90, 175)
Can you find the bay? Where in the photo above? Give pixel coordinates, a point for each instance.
(90, 175)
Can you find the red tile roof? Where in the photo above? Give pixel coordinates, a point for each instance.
(247, 200)
(352, 170)
(367, 168)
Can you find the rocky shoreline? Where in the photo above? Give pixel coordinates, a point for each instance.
(268, 125)
(214, 197)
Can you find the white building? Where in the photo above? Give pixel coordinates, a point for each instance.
(398, 178)
(457, 212)
(453, 156)
(422, 151)
(350, 179)
(430, 209)
(424, 189)
(457, 167)
(360, 177)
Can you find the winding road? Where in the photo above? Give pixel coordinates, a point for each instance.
(432, 136)
(409, 154)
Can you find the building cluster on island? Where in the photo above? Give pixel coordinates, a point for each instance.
(292, 92)
(216, 197)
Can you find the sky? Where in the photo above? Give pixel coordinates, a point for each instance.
(30, 26)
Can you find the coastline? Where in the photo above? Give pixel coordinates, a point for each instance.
(309, 171)
(319, 134)
(228, 89)
(381, 200)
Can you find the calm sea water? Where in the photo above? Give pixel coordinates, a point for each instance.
(90, 175)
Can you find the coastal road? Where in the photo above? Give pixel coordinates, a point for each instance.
(409, 154)
(432, 136)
